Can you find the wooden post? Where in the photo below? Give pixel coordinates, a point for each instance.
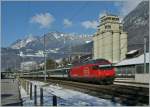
(35, 95)
(30, 91)
(41, 96)
(54, 100)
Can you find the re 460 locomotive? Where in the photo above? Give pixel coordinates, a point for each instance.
(99, 70)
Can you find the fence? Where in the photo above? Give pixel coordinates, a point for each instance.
(28, 86)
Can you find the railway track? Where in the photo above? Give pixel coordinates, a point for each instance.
(126, 95)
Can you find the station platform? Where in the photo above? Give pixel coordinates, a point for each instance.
(131, 82)
(10, 94)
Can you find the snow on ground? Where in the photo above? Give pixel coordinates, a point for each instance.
(25, 98)
(66, 97)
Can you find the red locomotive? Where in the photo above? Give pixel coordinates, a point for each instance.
(99, 70)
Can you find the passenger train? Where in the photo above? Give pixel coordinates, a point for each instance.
(99, 71)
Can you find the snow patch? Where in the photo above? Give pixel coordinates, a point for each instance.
(56, 36)
(87, 41)
(71, 97)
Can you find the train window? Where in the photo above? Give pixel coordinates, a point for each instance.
(106, 68)
(102, 67)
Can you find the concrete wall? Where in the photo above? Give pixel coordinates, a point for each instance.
(108, 46)
(142, 78)
(123, 45)
(94, 45)
(116, 47)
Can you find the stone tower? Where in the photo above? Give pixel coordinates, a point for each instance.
(110, 41)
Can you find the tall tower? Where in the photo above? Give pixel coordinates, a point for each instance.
(110, 41)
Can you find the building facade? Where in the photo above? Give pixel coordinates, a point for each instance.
(134, 67)
(110, 41)
(29, 65)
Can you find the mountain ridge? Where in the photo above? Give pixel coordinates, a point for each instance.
(52, 40)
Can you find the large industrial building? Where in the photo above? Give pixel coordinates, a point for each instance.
(110, 41)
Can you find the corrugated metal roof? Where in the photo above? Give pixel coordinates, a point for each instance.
(133, 61)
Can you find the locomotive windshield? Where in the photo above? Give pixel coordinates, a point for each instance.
(104, 67)
(102, 61)
(97, 61)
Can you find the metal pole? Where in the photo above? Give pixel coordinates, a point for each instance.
(44, 58)
(144, 54)
(54, 100)
(30, 91)
(35, 95)
(41, 96)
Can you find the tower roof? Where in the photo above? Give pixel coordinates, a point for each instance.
(108, 15)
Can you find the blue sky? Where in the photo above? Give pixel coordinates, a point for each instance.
(20, 19)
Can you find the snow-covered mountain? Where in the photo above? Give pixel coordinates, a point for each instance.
(54, 42)
(23, 43)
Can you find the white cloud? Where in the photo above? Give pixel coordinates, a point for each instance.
(90, 24)
(67, 23)
(44, 19)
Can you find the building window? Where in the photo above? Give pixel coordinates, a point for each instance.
(115, 19)
(139, 69)
(107, 27)
(121, 27)
(147, 68)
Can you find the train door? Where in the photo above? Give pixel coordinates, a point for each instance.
(86, 70)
